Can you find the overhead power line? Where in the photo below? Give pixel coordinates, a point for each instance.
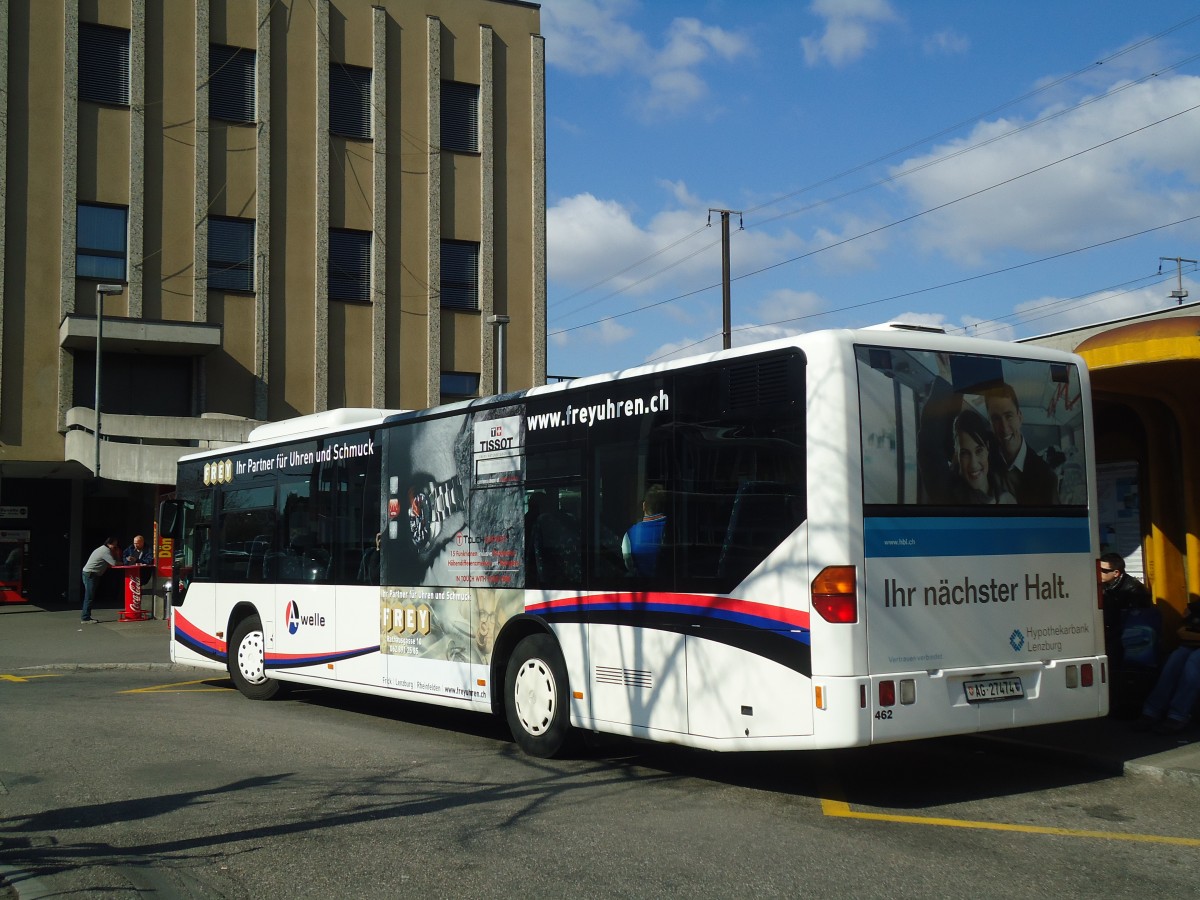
(891, 154)
(942, 286)
(892, 224)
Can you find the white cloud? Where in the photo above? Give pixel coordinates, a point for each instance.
(847, 251)
(687, 346)
(1046, 315)
(610, 331)
(850, 30)
(1149, 178)
(690, 43)
(741, 336)
(946, 42)
(771, 317)
(784, 305)
(672, 90)
(974, 326)
(589, 37)
(597, 252)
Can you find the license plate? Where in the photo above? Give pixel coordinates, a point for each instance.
(993, 689)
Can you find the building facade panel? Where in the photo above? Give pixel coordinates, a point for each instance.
(168, 270)
(232, 169)
(33, 234)
(351, 175)
(232, 22)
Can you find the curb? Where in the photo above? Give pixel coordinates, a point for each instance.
(24, 885)
(1189, 777)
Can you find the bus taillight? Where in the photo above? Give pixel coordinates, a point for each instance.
(887, 693)
(835, 594)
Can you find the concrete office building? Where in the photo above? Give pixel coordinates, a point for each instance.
(253, 209)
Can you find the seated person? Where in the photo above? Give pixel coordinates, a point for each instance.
(138, 554)
(1172, 703)
(1121, 592)
(644, 539)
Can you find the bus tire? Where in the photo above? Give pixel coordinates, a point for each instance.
(247, 661)
(536, 696)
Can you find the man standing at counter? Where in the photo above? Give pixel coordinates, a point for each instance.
(101, 560)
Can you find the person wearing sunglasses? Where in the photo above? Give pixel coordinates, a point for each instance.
(1121, 592)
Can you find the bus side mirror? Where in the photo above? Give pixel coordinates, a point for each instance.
(168, 519)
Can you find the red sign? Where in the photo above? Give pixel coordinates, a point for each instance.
(165, 556)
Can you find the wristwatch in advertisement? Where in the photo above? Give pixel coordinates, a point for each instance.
(429, 506)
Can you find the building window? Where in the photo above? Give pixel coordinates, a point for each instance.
(231, 83)
(230, 254)
(349, 265)
(460, 275)
(460, 117)
(100, 242)
(103, 64)
(350, 101)
(460, 384)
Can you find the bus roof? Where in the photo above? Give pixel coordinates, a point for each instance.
(895, 334)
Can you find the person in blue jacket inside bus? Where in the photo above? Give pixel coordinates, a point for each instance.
(644, 539)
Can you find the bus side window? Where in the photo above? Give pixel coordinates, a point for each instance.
(739, 466)
(556, 541)
(203, 559)
(358, 515)
(553, 526)
(764, 513)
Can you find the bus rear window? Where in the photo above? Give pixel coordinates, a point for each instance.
(944, 429)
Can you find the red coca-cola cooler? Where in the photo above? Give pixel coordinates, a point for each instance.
(133, 575)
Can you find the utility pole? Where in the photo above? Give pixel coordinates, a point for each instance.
(726, 317)
(1179, 293)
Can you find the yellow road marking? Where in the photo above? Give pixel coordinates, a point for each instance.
(20, 679)
(179, 687)
(841, 810)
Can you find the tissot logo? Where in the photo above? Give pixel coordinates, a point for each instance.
(295, 619)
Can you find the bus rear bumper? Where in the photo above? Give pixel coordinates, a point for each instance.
(933, 703)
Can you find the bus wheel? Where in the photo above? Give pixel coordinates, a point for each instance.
(535, 696)
(247, 661)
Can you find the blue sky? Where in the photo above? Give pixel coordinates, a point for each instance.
(1003, 169)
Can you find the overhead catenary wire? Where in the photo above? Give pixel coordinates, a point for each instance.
(891, 224)
(866, 233)
(912, 145)
(937, 287)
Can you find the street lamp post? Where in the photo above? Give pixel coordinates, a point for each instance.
(501, 360)
(102, 290)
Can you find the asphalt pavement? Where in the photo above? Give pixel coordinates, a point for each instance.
(34, 638)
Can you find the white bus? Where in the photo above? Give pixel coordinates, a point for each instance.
(812, 543)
